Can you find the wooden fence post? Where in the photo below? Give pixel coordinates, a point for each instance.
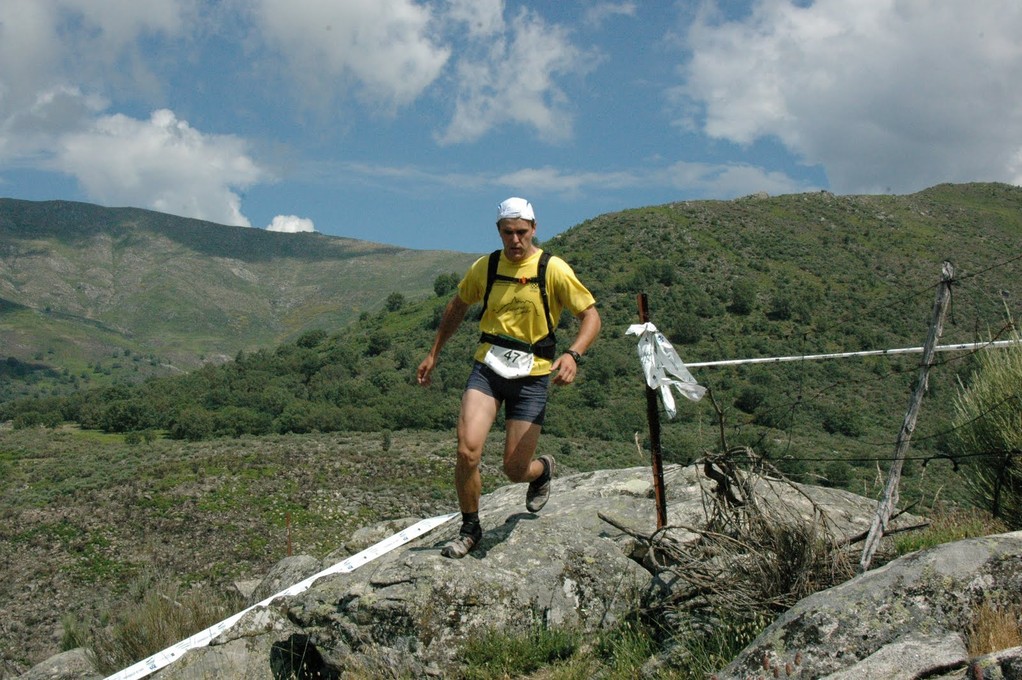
(653, 416)
(890, 497)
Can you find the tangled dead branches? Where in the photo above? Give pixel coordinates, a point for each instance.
(755, 556)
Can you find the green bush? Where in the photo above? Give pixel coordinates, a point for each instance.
(445, 284)
(395, 301)
(846, 421)
(311, 339)
(988, 429)
(193, 424)
(743, 297)
(837, 474)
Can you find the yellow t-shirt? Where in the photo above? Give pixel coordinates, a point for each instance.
(516, 309)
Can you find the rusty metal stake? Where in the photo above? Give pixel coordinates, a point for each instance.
(653, 416)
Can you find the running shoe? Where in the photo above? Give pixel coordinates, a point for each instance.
(462, 545)
(539, 488)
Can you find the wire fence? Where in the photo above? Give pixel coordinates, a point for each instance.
(974, 294)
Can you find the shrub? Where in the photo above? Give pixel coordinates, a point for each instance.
(988, 427)
(303, 416)
(846, 421)
(165, 614)
(445, 283)
(743, 297)
(235, 421)
(193, 423)
(750, 398)
(379, 342)
(395, 301)
(837, 474)
(311, 339)
(30, 419)
(687, 330)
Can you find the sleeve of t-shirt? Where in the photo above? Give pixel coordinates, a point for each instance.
(473, 285)
(574, 296)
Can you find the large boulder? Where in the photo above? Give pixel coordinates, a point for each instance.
(910, 618)
(74, 664)
(411, 609)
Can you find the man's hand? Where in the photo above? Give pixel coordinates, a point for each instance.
(454, 313)
(565, 366)
(425, 372)
(565, 370)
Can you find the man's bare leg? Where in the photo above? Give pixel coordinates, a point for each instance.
(520, 443)
(519, 466)
(478, 411)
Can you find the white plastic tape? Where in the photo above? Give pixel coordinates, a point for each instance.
(203, 638)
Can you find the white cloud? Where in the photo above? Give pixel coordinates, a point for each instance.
(49, 123)
(291, 224)
(694, 179)
(599, 12)
(383, 46)
(28, 133)
(729, 180)
(511, 78)
(548, 179)
(482, 18)
(886, 96)
(393, 52)
(163, 164)
(29, 51)
(78, 43)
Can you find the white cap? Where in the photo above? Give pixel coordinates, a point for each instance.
(516, 207)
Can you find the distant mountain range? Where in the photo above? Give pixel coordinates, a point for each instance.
(83, 285)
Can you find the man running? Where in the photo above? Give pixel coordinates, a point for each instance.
(513, 361)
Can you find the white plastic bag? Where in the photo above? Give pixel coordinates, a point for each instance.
(660, 362)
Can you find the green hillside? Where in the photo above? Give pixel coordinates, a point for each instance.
(756, 277)
(82, 287)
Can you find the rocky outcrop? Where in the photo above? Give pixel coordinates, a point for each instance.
(412, 609)
(71, 665)
(408, 612)
(911, 618)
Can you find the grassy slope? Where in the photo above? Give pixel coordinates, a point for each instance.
(84, 515)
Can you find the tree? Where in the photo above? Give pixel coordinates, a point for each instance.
(988, 429)
(743, 297)
(311, 339)
(379, 342)
(395, 301)
(193, 424)
(444, 284)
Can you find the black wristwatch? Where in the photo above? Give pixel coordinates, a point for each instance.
(574, 355)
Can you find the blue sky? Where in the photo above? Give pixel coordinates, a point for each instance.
(406, 121)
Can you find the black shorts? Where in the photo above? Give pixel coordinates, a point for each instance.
(523, 398)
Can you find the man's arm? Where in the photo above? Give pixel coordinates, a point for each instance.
(454, 314)
(565, 366)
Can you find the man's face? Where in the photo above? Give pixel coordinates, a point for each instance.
(516, 235)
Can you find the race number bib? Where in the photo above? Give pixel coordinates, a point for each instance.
(509, 363)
